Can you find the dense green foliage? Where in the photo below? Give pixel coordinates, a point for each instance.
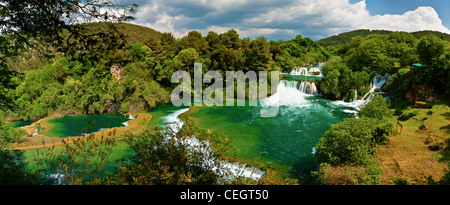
(377, 108)
(156, 157)
(162, 157)
(352, 141)
(12, 169)
(346, 37)
(362, 58)
(346, 150)
(87, 84)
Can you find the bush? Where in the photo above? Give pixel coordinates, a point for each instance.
(352, 141)
(12, 169)
(348, 175)
(377, 108)
(398, 112)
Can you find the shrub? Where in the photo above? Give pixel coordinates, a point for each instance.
(398, 112)
(377, 108)
(352, 141)
(348, 175)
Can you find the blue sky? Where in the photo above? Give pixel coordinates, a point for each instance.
(284, 19)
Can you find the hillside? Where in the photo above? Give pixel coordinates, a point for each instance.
(346, 37)
(33, 58)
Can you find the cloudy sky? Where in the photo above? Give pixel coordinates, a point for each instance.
(284, 19)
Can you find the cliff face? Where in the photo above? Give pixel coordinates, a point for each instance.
(115, 70)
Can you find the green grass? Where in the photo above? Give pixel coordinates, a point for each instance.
(418, 152)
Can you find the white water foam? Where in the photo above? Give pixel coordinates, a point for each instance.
(377, 82)
(308, 71)
(224, 167)
(173, 121)
(286, 95)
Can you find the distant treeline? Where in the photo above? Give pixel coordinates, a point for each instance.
(346, 37)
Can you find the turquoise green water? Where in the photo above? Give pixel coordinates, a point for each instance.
(303, 78)
(78, 125)
(17, 124)
(287, 139)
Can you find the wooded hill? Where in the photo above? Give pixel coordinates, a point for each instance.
(346, 37)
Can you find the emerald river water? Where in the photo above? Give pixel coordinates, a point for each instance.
(78, 125)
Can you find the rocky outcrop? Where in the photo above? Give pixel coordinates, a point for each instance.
(115, 70)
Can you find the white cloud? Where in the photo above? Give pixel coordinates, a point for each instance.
(155, 17)
(423, 18)
(310, 18)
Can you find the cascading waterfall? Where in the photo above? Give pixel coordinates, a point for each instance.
(356, 96)
(308, 71)
(377, 82)
(306, 87)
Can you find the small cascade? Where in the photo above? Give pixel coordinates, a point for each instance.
(308, 71)
(304, 86)
(131, 117)
(377, 82)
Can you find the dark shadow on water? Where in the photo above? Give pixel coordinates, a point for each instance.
(302, 169)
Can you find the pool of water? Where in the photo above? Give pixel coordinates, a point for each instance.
(17, 124)
(78, 125)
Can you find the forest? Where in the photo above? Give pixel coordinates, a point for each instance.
(130, 69)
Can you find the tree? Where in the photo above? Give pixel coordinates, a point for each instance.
(80, 161)
(352, 141)
(188, 57)
(163, 157)
(56, 23)
(258, 56)
(12, 169)
(377, 108)
(46, 21)
(195, 40)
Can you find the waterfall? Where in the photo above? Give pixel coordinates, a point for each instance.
(377, 82)
(308, 71)
(304, 86)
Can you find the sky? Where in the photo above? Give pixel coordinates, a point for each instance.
(285, 19)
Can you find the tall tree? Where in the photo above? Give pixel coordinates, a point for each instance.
(430, 48)
(58, 23)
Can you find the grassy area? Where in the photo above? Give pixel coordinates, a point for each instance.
(417, 152)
